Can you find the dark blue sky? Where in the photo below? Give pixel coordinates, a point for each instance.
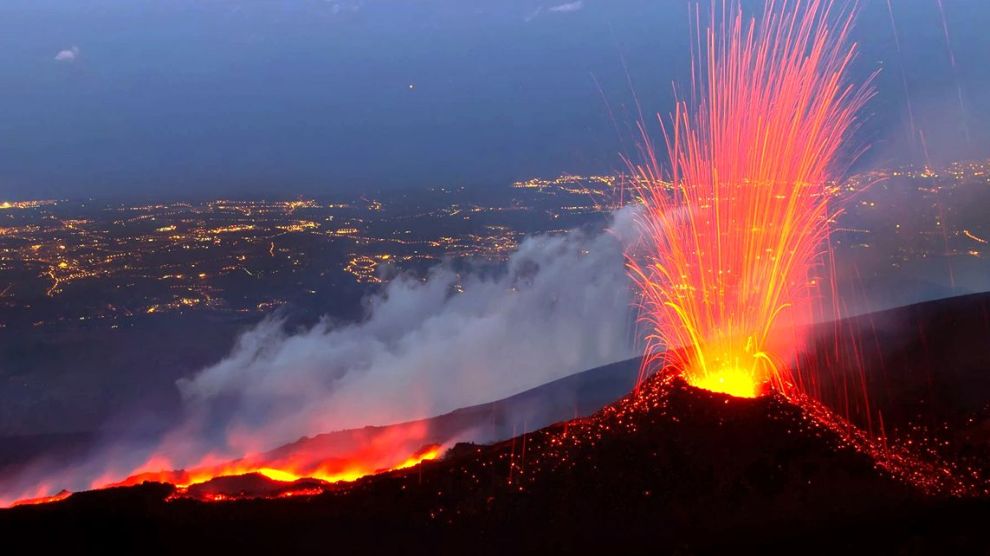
(210, 97)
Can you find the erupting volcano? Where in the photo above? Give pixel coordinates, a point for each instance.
(735, 231)
(747, 423)
(733, 235)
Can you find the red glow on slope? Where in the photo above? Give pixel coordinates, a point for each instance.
(44, 499)
(365, 452)
(329, 471)
(315, 463)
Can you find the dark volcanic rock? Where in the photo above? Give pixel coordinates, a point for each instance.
(668, 469)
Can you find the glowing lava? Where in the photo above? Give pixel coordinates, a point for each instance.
(734, 381)
(62, 495)
(306, 467)
(331, 471)
(733, 232)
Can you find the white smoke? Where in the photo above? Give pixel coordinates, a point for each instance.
(562, 305)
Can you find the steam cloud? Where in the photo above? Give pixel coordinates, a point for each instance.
(561, 306)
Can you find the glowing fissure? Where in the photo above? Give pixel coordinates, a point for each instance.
(733, 232)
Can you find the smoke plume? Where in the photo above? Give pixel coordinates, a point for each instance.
(560, 305)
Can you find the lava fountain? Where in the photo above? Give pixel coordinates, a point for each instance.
(734, 232)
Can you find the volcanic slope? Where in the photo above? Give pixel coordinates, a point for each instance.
(669, 468)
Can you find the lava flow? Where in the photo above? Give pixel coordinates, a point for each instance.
(61, 495)
(283, 471)
(308, 466)
(734, 232)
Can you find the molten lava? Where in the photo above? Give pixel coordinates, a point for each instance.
(296, 467)
(733, 381)
(306, 467)
(329, 471)
(733, 233)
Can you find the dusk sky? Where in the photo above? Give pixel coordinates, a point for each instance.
(193, 98)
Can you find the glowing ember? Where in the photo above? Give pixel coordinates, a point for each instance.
(733, 232)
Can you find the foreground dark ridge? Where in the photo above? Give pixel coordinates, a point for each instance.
(674, 468)
(671, 467)
(925, 385)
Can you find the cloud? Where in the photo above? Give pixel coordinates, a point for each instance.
(67, 55)
(558, 9)
(568, 7)
(338, 8)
